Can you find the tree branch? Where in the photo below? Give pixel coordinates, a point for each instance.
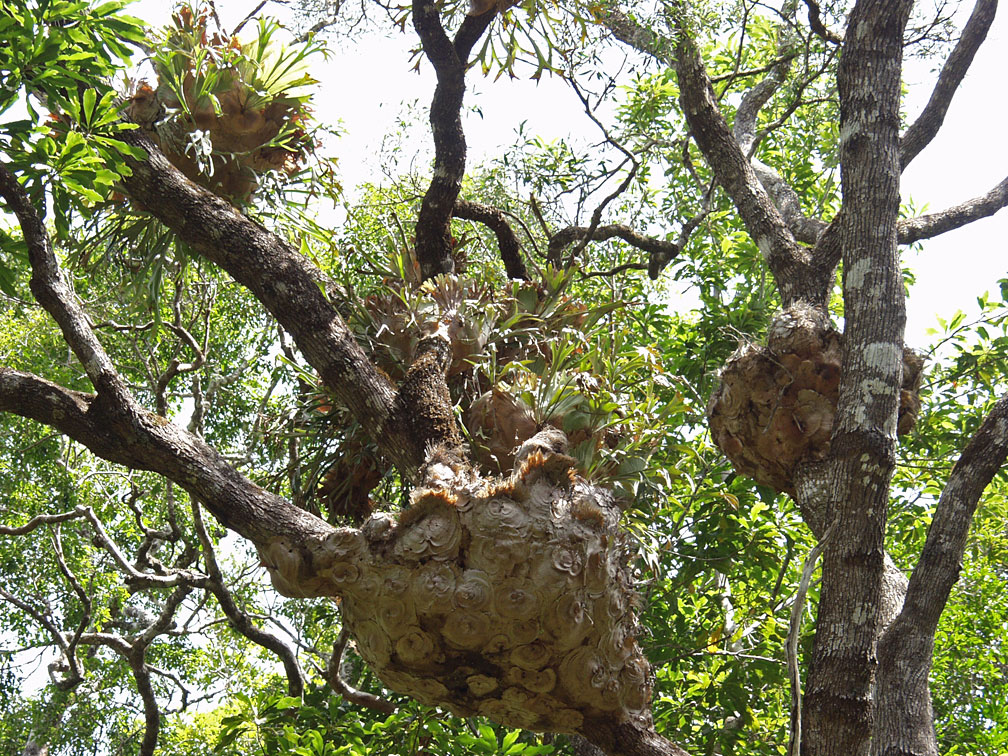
(46, 621)
(905, 650)
(641, 38)
(507, 241)
(433, 236)
(804, 228)
(351, 694)
(828, 249)
(596, 217)
(788, 261)
(660, 251)
(148, 442)
(291, 288)
(85, 601)
(794, 635)
(775, 225)
(629, 738)
(923, 130)
(957, 216)
(240, 620)
(52, 291)
(42, 519)
(136, 656)
(816, 24)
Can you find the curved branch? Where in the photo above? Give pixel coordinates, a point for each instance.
(52, 291)
(660, 251)
(805, 229)
(596, 217)
(351, 694)
(794, 635)
(923, 130)
(774, 230)
(239, 620)
(810, 283)
(152, 712)
(816, 24)
(76, 675)
(288, 285)
(433, 237)
(507, 241)
(905, 649)
(957, 216)
(786, 199)
(758, 95)
(788, 261)
(176, 367)
(641, 38)
(44, 619)
(149, 442)
(43, 519)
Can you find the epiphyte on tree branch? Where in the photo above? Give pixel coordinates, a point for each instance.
(507, 597)
(774, 405)
(549, 440)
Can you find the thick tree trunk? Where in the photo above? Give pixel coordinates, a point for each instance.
(838, 716)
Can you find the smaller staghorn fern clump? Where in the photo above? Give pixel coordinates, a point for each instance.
(226, 111)
(521, 359)
(506, 597)
(774, 405)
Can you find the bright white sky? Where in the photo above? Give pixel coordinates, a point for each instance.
(369, 85)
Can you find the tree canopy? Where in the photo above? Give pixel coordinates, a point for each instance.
(602, 444)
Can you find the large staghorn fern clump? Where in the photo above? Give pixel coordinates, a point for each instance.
(508, 597)
(521, 361)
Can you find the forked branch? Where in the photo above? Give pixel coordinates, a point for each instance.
(433, 237)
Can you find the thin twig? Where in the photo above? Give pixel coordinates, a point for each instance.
(597, 213)
(794, 632)
(351, 694)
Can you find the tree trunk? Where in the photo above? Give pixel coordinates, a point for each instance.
(838, 716)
